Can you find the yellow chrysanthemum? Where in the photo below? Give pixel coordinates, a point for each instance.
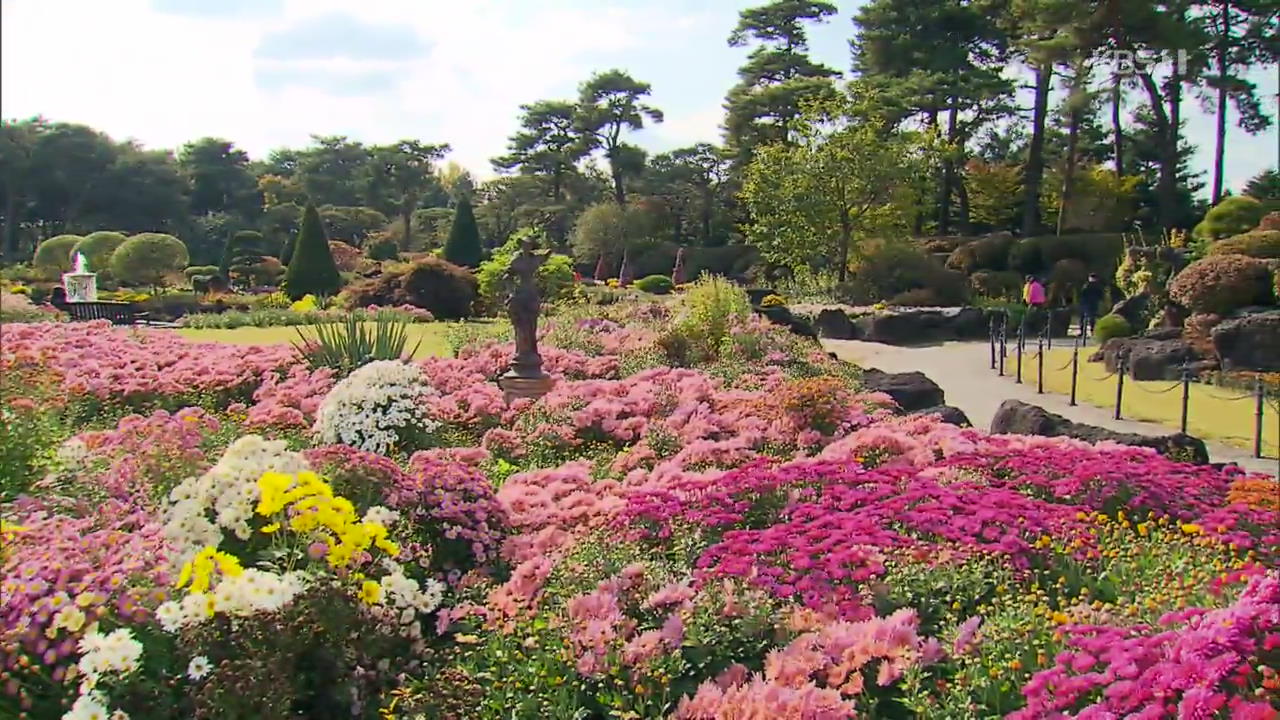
(370, 592)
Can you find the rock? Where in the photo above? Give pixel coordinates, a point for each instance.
(1173, 316)
(947, 414)
(1251, 342)
(780, 315)
(1133, 309)
(914, 326)
(1018, 418)
(1163, 333)
(835, 324)
(1149, 358)
(912, 391)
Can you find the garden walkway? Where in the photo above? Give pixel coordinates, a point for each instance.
(961, 369)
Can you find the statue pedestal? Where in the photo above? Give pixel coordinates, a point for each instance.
(80, 286)
(514, 387)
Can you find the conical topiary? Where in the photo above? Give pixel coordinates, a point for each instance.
(312, 270)
(463, 247)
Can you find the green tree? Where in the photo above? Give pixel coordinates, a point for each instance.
(312, 270)
(244, 249)
(546, 144)
(608, 104)
(463, 247)
(1264, 186)
(98, 247)
(693, 181)
(843, 178)
(147, 258)
(778, 77)
(404, 170)
(351, 224)
(17, 150)
(608, 230)
(55, 253)
(219, 177)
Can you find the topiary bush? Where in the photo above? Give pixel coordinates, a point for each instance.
(147, 258)
(920, 297)
(381, 249)
(886, 270)
(655, 284)
(98, 247)
(446, 290)
(1232, 216)
(996, 284)
(1222, 283)
(1065, 278)
(463, 247)
(1112, 326)
(54, 254)
(345, 257)
(989, 253)
(195, 270)
(1255, 244)
(312, 270)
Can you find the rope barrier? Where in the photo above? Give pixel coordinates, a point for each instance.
(1246, 396)
(1158, 392)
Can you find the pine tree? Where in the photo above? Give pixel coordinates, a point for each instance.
(312, 270)
(463, 247)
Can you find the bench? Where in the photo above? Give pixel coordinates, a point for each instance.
(119, 313)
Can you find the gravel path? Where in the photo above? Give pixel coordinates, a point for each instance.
(962, 369)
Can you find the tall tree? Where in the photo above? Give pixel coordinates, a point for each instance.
(546, 144)
(17, 150)
(778, 77)
(219, 177)
(404, 170)
(609, 104)
(334, 171)
(692, 179)
(844, 177)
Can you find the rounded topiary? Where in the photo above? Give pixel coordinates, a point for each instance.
(656, 284)
(996, 284)
(147, 258)
(98, 247)
(1112, 326)
(1256, 244)
(381, 249)
(1232, 216)
(1221, 283)
(55, 253)
(311, 269)
(195, 270)
(1065, 278)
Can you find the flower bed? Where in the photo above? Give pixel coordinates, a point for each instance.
(701, 520)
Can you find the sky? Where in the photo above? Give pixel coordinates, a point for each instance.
(270, 73)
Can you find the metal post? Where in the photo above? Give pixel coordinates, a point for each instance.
(991, 338)
(1186, 394)
(1021, 340)
(1040, 368)
(1259, 404)
(1075, 370)
(1048, 332)
(1124, 362)
(1004, 352)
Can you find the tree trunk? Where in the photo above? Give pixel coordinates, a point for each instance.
(1033, 173)
(962, 194)
(1221, 137)
(557, 181)
(1170, 155)
(1073, 142)
(619, 193)
(948, 173)
(1117, 127)
(846, 238)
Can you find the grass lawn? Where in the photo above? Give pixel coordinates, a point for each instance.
(434, 336)
(1211, 413)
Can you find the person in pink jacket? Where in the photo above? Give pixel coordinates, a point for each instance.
(1033, 292)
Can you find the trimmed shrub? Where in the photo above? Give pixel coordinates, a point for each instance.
(1232, 216)
(554, 278)
(463, 247)
(1271, 221)
(1112, 326)
(1100, 253)
(1255, 244)
(382, 249)
(989, 253)
(1065, 278)
(996, 284)
(887, 270)
(920, 297)
(655, 284)
(98, 247)
(243, 249)
(146, 258)
(345, 257)
(312, 270)
(1222, 283)
(55, 253)
(431, 283)
(195, 270)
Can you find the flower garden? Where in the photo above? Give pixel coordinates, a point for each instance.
(705, 519)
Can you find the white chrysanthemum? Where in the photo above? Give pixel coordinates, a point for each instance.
(222, 500)
(90, 706)
(72, 453)
(199, 667)
(384, 516)
(375, 407)
(117, 652)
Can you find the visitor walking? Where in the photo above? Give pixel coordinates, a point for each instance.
(1090, 298)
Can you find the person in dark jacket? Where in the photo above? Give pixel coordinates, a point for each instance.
(1090, 297)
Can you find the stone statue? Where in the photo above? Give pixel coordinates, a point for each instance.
(523, 308)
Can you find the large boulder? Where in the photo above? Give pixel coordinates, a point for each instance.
(1133, 309)
(1018, 418)
(913, 326)
(912, 391)
(947, 414)
(780, 315)
(1150, 358)
(1251, 342)
(835, 323)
